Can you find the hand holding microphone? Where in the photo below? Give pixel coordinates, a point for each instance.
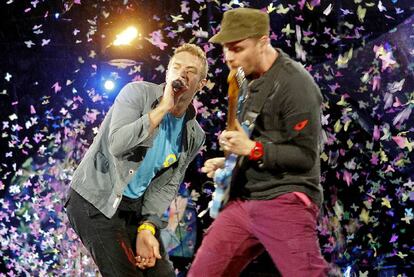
(177, 86)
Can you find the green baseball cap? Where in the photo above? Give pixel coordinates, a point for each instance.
(242, 23)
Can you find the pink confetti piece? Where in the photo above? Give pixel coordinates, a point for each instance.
(156, 39)
(56, 87)
(32, 109)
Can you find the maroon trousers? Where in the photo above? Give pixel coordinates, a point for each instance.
(284, 226)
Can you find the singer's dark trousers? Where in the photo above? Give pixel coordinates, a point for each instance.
(111, 242)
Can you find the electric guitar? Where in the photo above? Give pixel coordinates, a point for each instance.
(222, 177)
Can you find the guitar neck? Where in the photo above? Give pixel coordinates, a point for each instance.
(231, 118)
(233, 94)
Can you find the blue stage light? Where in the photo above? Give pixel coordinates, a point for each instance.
(109, 85)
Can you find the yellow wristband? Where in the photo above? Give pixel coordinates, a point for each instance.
(147, 226)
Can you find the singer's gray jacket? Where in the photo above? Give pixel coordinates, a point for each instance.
(119, 148)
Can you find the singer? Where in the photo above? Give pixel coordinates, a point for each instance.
(133, 168)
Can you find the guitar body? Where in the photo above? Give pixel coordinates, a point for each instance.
(222, 180)
(222, 177)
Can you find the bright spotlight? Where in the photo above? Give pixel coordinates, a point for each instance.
(126, 36)
(109, 85)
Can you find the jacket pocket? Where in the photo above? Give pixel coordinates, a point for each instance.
(102, 173)
(101, 163)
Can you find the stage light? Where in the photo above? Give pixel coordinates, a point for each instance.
(123, 51)
(109, 85)
(57, 15)
(126, 36)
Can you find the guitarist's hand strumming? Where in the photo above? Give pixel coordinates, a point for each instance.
(236, 142)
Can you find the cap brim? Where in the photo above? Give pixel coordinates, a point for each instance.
(222, 38)
(217, 38)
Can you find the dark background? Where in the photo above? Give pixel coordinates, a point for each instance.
(366, 161)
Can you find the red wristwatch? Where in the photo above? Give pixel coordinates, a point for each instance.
(257, 152)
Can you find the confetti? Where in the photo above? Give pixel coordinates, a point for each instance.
(362, 65)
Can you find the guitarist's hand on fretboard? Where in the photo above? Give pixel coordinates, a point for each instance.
(236, 142)
(211, 165)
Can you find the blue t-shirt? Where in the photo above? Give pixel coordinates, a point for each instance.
(163, 153)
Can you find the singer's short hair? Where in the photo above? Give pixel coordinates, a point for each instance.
(196, 51)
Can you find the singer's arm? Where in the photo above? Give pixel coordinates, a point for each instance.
(130, 126)
(157, 114)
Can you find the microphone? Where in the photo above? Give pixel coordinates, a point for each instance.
(177, 85)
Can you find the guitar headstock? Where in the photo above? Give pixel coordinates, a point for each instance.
(236, 77)
(240, 76)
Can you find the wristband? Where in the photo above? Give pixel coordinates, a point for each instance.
(257, 152)
(147, 226)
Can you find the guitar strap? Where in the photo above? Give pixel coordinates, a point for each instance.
(254, 101)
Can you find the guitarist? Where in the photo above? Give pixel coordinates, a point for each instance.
(275, 193)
